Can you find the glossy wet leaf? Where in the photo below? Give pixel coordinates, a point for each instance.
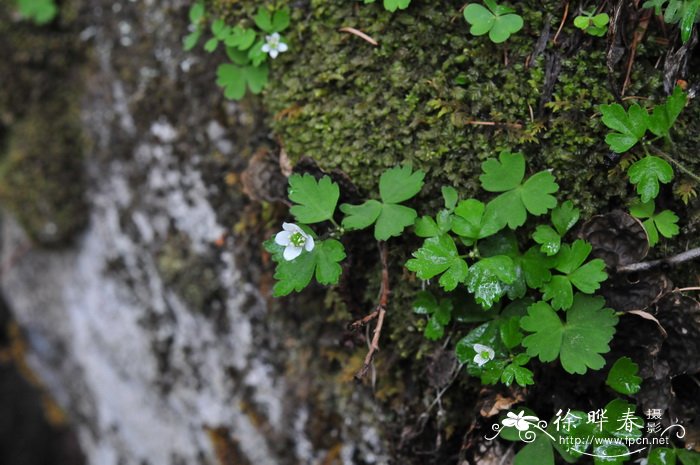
(439, 255)
(664, 116)
(488, 278)
(623, 376)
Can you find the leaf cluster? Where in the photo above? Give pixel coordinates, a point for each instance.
(498, 21)
(593, 24)
(247, 69)
(39, 11)
(685, 13)
(473, 244)
(392, 5)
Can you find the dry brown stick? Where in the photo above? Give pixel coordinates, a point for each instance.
(360, 34)
(561, 25)
(357, 324)
(381, 309)
(674, 260)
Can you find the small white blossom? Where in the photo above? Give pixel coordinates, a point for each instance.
(520, 421)
(273, 45)
(483, 355)
(294, 240)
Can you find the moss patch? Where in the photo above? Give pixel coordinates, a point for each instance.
(41, 145)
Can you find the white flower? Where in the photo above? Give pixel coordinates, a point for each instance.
(483, 355)
(294, 240)
(273, 45)
(520, 421)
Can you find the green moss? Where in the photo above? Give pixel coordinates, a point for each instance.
(41, 145)
(41, 176)
(416, 96)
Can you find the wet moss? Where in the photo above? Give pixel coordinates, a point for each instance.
(41, 145)
(421, 95)
(41, 175)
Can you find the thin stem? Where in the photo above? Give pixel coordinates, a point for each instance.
(691, 254)
(668, 157)
(686, 289)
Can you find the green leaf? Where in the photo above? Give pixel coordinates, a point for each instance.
(630, 126)
(280, 20)
(623, 377)
(425, 227)
(481, 19)
(688, 19)
(664, 116)
(439, 255)
(474, 221)
(234, 79)
(440, 314)
(579, 342)
(565, 216)
(263, 20)
(361, 216)
(586, 278)
(240, 38)
(211, 44)
(622, 423)
(329, 254)
(393, 220)
(256, 55)
(191, 40)
(503, 174)
(535, 267)
(504, 26)
(395, 185)
(220, 29)
(316, 200)
(559, 291)
(295, 275)
(688, 457)
(451, 197)
(393, 5)
(506, 175)
(196, 12)
(510, 332)
(39, 11)
(539, 452)
(487, 279)
(647, 173)
(536, 193)
(548, 238)
(664, 222)
(661, 456)
(400, 184)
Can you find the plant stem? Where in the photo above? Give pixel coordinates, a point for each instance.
(668, 157)
(691, 254)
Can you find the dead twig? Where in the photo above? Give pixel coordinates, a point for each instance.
(381, 313)
(360, 34)
(561, 26)
(688, 255)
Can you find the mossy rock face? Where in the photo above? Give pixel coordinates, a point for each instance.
(436, 96)
(41, 176)
(41, 144)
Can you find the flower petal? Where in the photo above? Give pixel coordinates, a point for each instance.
(274, 36)
(282, 238)
(480, 348)
(479, 360)
(291, 252)
(282, 47)
(291, 227)
(274, 53)
(265, 48)
(309, 244)
(509, 422)
(522, 425)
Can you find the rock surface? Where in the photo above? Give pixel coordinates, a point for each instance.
(145, 329)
